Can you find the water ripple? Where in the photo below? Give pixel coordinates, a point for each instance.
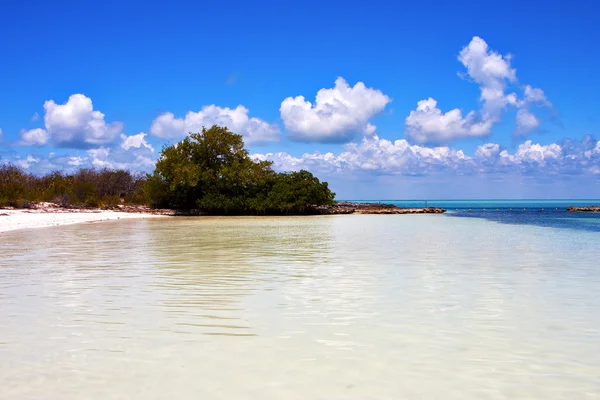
(315, 307)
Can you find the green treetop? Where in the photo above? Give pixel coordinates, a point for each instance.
(213, 172)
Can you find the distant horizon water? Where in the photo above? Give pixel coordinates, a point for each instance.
(538, 212)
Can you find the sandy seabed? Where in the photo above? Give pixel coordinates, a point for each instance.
(11, 220)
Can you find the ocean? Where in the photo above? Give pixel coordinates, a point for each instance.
(548, 213)
(453, 306)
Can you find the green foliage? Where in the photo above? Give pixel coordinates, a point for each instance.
(87, 187)
(211, 171)
(298, 192)
(12, 185)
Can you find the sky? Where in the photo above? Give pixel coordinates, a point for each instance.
(384, 100)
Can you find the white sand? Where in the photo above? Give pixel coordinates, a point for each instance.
(11, 220)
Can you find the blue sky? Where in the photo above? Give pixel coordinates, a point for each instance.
(400, 100)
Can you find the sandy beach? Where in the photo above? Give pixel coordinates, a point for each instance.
(11, 220)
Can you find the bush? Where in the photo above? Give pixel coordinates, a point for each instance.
(212, 171)
(12, 185)
(86, 187)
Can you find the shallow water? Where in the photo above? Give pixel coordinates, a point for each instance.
(331, 307)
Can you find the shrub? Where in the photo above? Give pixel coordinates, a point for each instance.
(212, 171)
(86, 187)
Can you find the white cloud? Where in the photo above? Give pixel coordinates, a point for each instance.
(536, 96)
(27, 162)
(428, 124)
(34, 137)
(0, 133)
(491, 71)
(374, 155)
(380, 156)
(99, 157)
(131, 157)
(77, 124)
(35, 116)
(76, 161)
(135, 141)
(526, 122)
(338, 114)
(254, 130)
(529, 152)
(487, 151)
(74, 124)
(494, 74)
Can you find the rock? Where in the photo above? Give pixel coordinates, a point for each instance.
(583, 209)
(376, 208)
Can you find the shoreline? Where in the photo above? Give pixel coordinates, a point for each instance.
(20, 219)
(44, 215)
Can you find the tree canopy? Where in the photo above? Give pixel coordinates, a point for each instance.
(212, 171)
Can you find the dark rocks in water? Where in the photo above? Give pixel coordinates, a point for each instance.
(376, 208)
(584, 209)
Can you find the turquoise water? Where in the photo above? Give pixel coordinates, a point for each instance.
(547, 213)
(487, 204)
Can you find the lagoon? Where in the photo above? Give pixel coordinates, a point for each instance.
(322, 307)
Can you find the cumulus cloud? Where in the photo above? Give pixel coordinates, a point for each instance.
(380, 156)
(34, 137)
(26, 162)
(428, 124)
(491, 71)
(373, 155)
(74, 124)
(494, 74)
(135, 141)
(254, 130)
(535, 153)
(526, 122)
(338, 114)
(133, 154)
(536, 96)
(99, 157)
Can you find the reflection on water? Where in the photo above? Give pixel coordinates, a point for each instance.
(380, 307)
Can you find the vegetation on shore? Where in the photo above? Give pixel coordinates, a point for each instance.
(85, 188)
(209, 171)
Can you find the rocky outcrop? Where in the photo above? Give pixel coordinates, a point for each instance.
(584, 209)
(376, 208)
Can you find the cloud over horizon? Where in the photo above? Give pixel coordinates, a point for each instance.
(254, 130)
(374, 155)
